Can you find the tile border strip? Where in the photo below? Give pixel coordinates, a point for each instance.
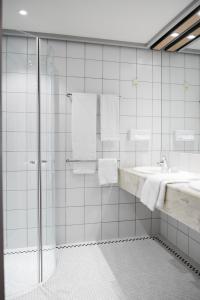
(171, 249)
(106, 242)
(184, 259)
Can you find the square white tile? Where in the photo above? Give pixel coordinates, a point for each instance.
(109, 213)
(93, 69)
(126, 212)
(93, 214)
(75, 233)
(93, 232)
(110, 70)
(126, 229)
(93, 51)
(109, 230)
(92, 196)
(75, 50)
(75, 215)
(75, 67)
(111, 53)
(75, 197)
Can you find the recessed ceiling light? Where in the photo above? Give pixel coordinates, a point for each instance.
(174, 34)
(191, 37)
(181, 33)
(23, 12)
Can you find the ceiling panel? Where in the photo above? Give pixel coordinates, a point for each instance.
(121, 20)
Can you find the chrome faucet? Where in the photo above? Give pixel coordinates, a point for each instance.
(163, 164)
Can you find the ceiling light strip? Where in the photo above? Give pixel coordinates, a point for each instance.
(191, 20)
(184, 40)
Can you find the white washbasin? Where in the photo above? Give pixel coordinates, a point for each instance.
(195, 185)
(147, 169)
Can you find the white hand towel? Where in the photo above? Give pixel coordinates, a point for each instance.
(109, 118)
(84, 130)
(107, 171)
(154, 188)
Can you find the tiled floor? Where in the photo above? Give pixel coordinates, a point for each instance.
(22, 271)
(139, 270)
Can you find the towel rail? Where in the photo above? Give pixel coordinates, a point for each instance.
(76, 160)
(69, 95)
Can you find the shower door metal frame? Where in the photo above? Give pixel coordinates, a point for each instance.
(40, 243)
(2, 291)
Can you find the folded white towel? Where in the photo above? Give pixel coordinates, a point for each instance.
(109, 118)
(154, 188)
(84, 131)
(107, 171)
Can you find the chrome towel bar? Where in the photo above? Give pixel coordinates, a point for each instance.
(75, 160)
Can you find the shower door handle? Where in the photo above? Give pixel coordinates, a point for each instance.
(44, 161)
(32, 162)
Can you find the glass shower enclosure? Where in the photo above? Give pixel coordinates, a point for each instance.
(28, 162)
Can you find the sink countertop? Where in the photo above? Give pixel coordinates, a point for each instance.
(181, 201)
(181, 187)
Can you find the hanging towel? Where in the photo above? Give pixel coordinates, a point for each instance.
(109, 117)
(107, 171)
(154, 189)
(84, 131)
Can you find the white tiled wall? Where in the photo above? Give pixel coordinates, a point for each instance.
(185, 161)
(85, 211)
(185, 238)
(180, 100)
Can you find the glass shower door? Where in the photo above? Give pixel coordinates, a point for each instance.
(28, 163)
(20, 167)
(47, 147)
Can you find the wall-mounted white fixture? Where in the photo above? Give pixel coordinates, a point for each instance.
(23, 12)
(184, 135)
(139, 135)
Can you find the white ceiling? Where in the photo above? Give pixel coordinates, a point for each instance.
(122, 20)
